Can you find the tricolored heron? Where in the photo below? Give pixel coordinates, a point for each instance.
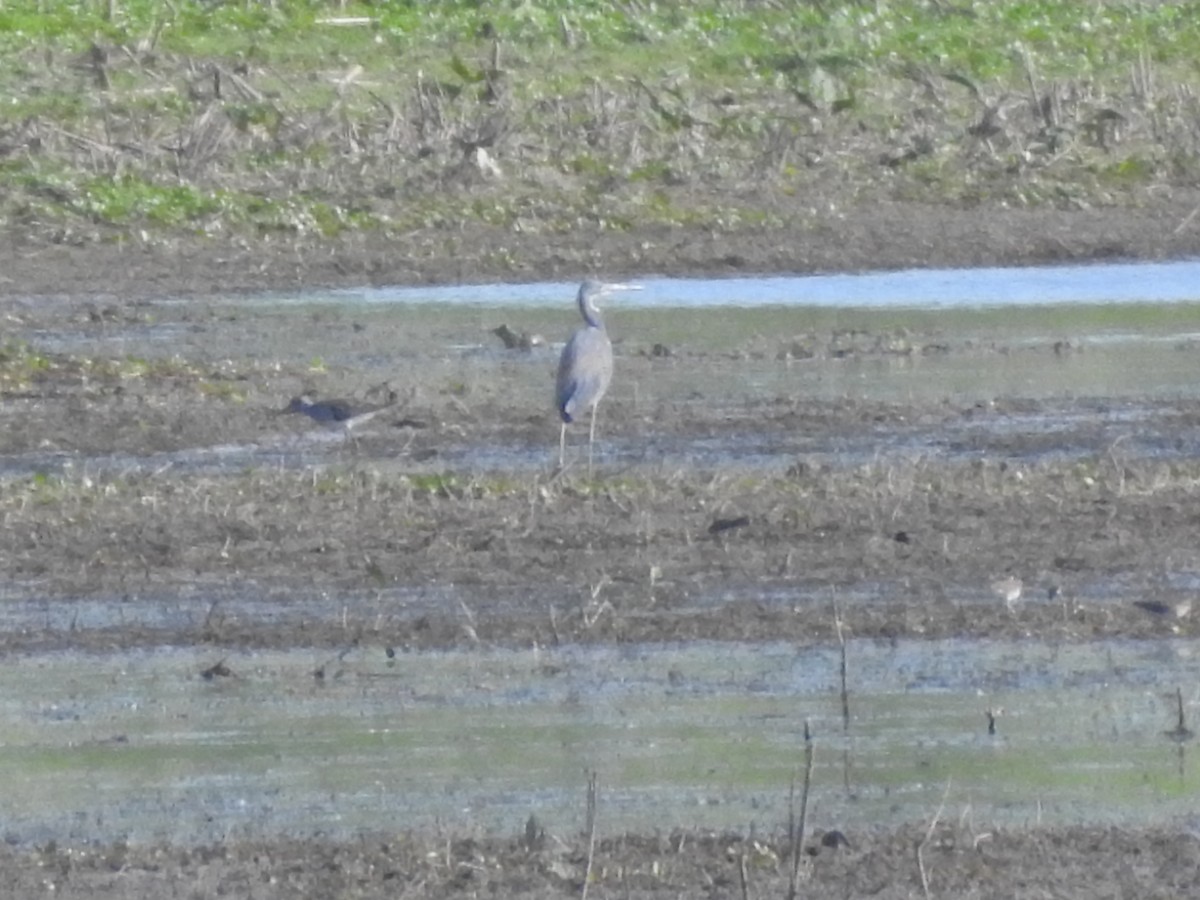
(586, 365)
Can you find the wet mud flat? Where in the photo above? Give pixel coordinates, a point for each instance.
(762, 486)
(938, 858)
(754, 474)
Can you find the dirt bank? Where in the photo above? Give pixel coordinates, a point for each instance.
(831, 237)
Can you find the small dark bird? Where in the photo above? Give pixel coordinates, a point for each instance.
(216, 670)
(834, 839)
(719, 525)
(1178, 610)
(338, 413)
(517, 340)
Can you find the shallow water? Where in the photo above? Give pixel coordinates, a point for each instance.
(705, 735)
(914, 288)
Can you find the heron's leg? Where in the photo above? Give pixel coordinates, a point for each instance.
(562, 445)
(592, 437)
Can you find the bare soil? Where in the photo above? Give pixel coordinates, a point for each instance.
(903, 548)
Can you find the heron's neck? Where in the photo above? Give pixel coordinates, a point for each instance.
(590, 313)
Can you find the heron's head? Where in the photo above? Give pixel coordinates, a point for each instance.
(299, 404)
(591, 291)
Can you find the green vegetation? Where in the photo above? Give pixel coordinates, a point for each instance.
(21, 366)
(301, 118)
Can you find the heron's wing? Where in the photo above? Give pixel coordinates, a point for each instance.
(584, 371)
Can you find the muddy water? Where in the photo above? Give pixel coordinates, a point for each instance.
(1113, 332)
(702, 734)
(1134, 370)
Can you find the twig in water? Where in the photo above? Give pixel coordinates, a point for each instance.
(1180, 732)
(468, 623)
(792, 811)
(841, 636)
(798, 837)
(928, 834)
(591, 833)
